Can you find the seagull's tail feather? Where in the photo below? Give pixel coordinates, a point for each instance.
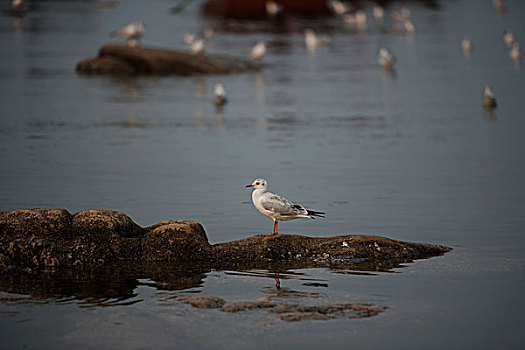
(313, 214)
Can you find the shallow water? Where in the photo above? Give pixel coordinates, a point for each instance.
(410, 156)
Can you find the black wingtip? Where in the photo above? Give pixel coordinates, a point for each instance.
(316, 213)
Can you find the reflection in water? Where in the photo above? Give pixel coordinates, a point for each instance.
(98, 287)
(199, 87)
(489, 115)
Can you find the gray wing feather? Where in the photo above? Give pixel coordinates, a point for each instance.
(282, 206)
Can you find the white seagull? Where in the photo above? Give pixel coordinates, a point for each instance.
(385, 58)
(220, 95)
(489, 100)
(276, 207)
(132, 33)
(257, 51)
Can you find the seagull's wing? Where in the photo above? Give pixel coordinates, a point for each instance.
(278, 204)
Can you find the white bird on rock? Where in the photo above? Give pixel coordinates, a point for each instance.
(132, 33)
(276, 207)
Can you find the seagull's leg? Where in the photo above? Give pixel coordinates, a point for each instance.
(274, 228)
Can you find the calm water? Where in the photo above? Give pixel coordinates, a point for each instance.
(410, 156)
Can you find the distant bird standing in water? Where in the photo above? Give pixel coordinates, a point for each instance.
(276, 207)
(508, 37)
(466, 45)
(220, 95)
(257, 51)
(515, 51)
(132, 33)
(489, 100)
(17, 9)
(312, 40)
(385, 58)
(409, 27)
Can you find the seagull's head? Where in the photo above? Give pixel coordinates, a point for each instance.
(258, 184)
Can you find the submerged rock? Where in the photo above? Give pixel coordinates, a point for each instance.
(49, 238)
(117, 59)
(202, 301)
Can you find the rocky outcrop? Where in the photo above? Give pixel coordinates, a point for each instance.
(51, 238)
(114, 59)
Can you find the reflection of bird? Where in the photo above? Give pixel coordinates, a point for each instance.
(489, 100)
(466, 45)
(385, 58)
(499, 5)
(508, 37)
(132, 33)
(515, 51)
(312, 40)
(276, 207)
(197, 47)
(257, 51)
(220, 95)
(189, 39)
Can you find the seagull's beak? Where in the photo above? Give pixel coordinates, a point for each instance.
(249, 186)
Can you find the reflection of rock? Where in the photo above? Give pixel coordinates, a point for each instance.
(285, 311)
(38, 238)
(116, 59)
(246, 305)
(202, 301)
(291, 312)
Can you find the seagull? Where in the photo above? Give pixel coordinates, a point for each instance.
(312, 40)
(466, 45)
(385, 58)
(273, 9)
(17, 9)
(378, 11)
(515, 51)
(276, 207)
(508, 37)
(339, 7)
(489, 100)
(220, 95)
(409, 27)
(197, 47)
(358, 18)
(132, 33)
(257, 51)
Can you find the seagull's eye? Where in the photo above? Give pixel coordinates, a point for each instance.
(256, 183)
